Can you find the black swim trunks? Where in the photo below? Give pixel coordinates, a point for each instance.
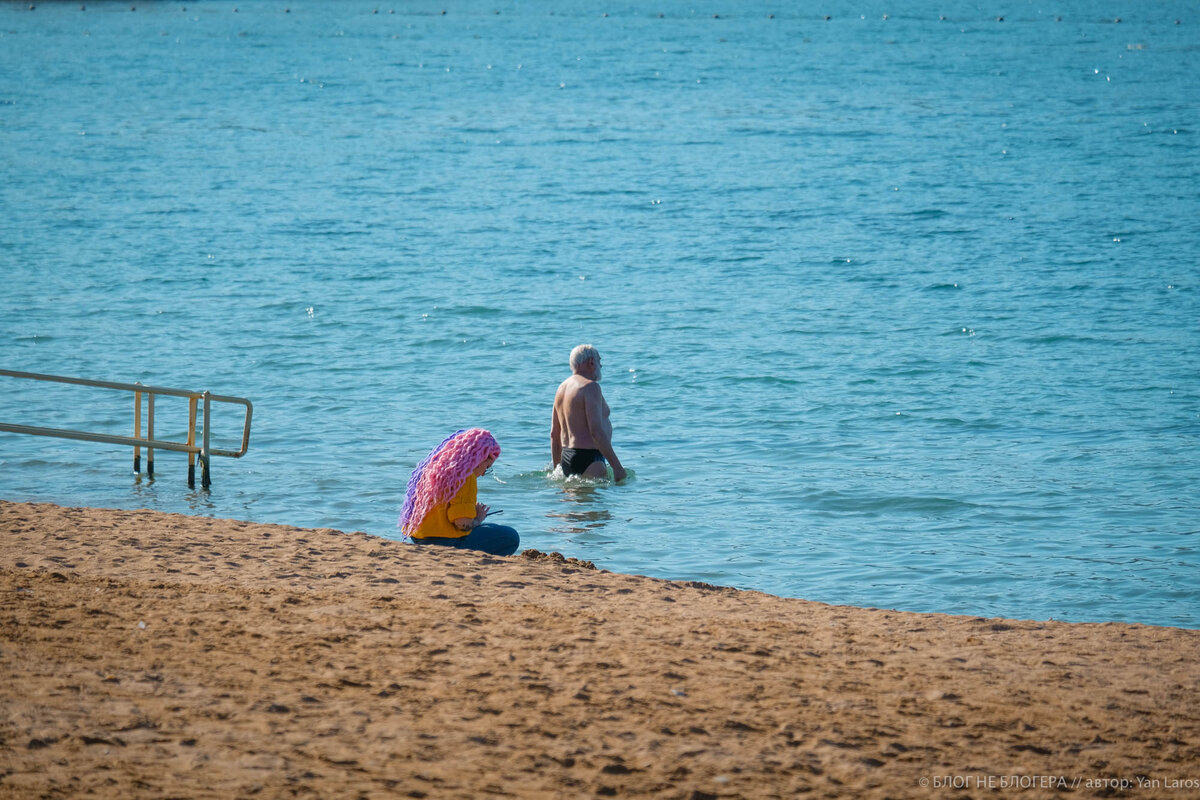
(576, 462)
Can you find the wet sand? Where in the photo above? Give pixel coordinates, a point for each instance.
(157, 655)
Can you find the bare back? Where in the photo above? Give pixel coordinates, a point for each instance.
(581, 414)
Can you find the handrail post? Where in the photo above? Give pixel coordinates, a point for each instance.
(205, 480)
(191, 442)
(137, 431)
(150, 435)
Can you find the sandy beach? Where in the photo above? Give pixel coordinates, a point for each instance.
(157, 655)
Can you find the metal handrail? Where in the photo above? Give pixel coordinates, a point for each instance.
(204, 451)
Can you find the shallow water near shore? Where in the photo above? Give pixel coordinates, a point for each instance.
(895, 310)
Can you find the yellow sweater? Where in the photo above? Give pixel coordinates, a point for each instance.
(439, 521)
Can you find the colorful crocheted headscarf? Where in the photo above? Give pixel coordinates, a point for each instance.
(442, 473)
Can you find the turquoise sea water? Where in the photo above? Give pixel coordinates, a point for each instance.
(896, 310)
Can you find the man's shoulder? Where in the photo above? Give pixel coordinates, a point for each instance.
(576, 382)
(567, 390)
(591, 389)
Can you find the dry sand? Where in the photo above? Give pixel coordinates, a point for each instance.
(156, 655)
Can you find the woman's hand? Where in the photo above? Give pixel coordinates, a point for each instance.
(468, 524)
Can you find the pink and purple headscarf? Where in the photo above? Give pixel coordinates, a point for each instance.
(443, 472)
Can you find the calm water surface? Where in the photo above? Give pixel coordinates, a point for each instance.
(895, 310)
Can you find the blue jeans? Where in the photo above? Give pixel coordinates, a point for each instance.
(499, 540)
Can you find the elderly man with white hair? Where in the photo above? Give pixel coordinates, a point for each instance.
(580, 431)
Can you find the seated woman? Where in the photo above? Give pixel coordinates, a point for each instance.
(440, 505)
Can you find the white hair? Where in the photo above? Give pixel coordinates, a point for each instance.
(581, 354)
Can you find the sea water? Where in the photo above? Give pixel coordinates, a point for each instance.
(899, 304)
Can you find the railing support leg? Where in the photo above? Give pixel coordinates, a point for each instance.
(191, 440)
(150, 436)
(137, 432)
(205, 480)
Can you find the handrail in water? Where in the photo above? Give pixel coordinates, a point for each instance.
(137, 441)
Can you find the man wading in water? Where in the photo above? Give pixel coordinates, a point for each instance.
(580, 431)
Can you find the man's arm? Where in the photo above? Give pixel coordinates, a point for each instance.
(600, 430)
(555, 435)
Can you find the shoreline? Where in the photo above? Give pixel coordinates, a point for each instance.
(151, 654)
